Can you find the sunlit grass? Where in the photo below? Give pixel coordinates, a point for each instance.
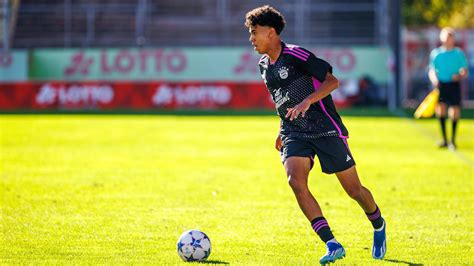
(121, 189)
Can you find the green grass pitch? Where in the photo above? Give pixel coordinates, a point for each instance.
(121, 189)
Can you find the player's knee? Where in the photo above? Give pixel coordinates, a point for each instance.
(454, 114)
(297, 184)
(441, 110)
(440, 114)
(355, 192)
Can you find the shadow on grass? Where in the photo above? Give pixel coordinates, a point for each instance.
(404, 262)
(212, 262)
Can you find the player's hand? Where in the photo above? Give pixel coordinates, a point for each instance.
(278, 143)
(301, 108)
(456, 77)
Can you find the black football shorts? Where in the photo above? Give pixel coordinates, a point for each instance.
(333, 152)
(450, 93)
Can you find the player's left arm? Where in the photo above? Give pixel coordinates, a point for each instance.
(463, 73)
(432, 72)
(328, 85)
(463, 69)
(320, 70)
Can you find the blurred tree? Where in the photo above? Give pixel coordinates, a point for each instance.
(441, 13)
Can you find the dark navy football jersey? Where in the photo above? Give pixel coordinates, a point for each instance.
(296, 74)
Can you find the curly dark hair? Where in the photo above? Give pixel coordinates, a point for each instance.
(265, 16)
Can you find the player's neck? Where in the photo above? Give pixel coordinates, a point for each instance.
(274, 51)
(448, 47)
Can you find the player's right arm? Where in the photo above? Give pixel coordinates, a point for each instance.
(432, 72)
(433, 77)
(318, 69)
(278, 143)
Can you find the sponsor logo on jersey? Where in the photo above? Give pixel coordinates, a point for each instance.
(279, 98)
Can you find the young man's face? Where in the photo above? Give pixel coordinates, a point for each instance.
(260, 38)
(447, 39)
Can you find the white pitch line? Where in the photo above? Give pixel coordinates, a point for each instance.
(430, 135)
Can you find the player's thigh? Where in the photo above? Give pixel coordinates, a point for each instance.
(349, 180)
(441, 109)
(454, 112)
(297, 156)
(297, 167)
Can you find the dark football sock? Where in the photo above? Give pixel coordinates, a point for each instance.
(442, 121)
(375, 218)
(321, 227)
(453, 137)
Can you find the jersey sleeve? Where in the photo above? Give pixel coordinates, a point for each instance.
(262, 64)
(309, 63)
(462, 58)
(432, 58)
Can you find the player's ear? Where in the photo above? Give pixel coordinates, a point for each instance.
(271, 33)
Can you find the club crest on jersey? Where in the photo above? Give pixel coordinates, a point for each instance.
(283, 72)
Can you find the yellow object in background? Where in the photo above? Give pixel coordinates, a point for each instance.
(428, 105)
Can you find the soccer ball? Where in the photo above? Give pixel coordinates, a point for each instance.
(194, 245)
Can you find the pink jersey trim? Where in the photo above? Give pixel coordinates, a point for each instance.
(297, 52)
(298, 49)
(296, 55)
(316, 85)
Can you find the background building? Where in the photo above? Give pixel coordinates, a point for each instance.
(193, 55)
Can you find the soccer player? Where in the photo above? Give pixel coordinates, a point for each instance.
(448, 66)
(300, 85)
